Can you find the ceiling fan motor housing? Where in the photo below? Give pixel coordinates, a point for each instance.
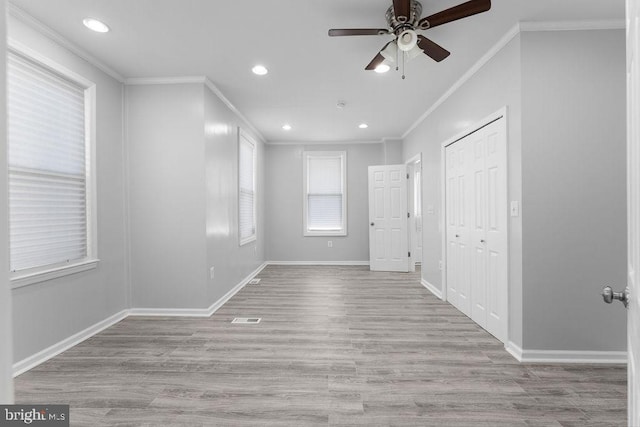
(410, 24)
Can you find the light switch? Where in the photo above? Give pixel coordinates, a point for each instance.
(430, 210)
(515, 208)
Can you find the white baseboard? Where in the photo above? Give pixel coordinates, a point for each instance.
(318, 262)
(42, 356)
(565, 356)
(197, 312)
(435, 291)
(52, 351)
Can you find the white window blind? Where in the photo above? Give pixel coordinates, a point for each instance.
(246, 185)
(47, 166)
(325, 201)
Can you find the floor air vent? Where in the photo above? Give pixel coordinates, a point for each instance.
(247, 320)
(254, 281)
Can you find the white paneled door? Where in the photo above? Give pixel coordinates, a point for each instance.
(388, 225)
(476, 226)
(633, 188)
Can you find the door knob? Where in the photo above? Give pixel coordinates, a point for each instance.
(457, 235)
(608, 295)
(482, 241)
(373, 223)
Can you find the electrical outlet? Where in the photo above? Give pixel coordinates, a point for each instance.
(212, 272)
(440, 265)
(255, 250)
(330, 244)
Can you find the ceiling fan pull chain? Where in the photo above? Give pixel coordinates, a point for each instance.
(403, 76)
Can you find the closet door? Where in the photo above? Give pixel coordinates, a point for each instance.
(476, 234)
(458, 226)
(497, 236)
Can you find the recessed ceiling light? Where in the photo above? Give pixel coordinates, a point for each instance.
(363, 125)
(382, 68)
(260, 70)
(286, 126)
(95, 25)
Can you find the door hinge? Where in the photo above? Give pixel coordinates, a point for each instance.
(407, 176)
(408, 215)
(409, 254)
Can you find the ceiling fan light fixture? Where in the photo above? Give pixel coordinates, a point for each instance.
(390, 52)
(382, 68)
(416, 51)
(286, 126)
(363, 125)
(407, 40)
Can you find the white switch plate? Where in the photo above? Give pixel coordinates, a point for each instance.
(212, 272)
(440, 265)
(515, 208)
(430, 210)
(329, 244)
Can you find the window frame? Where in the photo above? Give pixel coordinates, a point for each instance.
(244, 135)
(306, 156)
(25, 277)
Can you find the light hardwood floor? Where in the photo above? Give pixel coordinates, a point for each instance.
(336, 346)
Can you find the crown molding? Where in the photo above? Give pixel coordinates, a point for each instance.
(22, 16)
(513, 32)
(510, 35)
(348, 142)
(572, 25)
(213, 88)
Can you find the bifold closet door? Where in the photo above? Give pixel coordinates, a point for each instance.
(477, 237)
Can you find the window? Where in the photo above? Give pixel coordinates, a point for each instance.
(49, 117)
(246, 189)
(325, 193)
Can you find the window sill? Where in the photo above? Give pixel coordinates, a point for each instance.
(248, 240)
(325, 233)
(27, 279)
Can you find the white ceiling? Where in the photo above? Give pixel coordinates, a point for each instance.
(309, 71)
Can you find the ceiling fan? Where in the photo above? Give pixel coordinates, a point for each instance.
(403, 20)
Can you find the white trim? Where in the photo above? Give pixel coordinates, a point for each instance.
(514, 349)
(565, 356)
(208, 83)
(306, 156)
(138, 81)
(617, 24)
(56, 37)
(20, 281)
(197, 312)
(513, 32)
(318, 263)
(354, 142)
(144, 81)
(254, 152)
(42, 356)
(435, 291)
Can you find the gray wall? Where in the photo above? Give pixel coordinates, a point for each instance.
(165, 146)
(574, 188)
(284, 186)
(48, 312)
(6, 349)
(232, 262)
(495, 85)
(183, 156)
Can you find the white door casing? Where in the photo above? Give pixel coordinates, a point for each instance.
(388, 225)
(476, 234)
(633, 203)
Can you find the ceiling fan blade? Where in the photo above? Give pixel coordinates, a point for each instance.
(460, 11)
(337, 32)
(377, 60)
(402, 10)
(432, 49)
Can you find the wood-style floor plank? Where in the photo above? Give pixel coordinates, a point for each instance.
(338, 346)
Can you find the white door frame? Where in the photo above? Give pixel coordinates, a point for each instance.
(501, 113)
(411, 164)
